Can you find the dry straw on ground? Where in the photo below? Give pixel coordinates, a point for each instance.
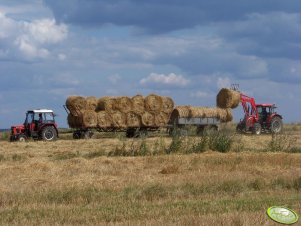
(227, 98)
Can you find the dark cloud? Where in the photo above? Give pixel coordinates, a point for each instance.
(162, 16)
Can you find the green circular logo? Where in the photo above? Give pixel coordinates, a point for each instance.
(282, 215)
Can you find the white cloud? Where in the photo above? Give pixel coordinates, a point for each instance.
(114, 78)
(170, 79)
(30, 39)
(200, 94)
(62, 56)
(223, 82)
(45, 31)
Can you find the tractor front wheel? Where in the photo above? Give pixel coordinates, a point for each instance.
(22, 138)
(256, 128)
(276, 125)
(49, 133)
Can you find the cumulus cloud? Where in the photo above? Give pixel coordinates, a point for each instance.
(169, 80)
(31, 39)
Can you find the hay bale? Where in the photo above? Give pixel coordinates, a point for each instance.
(74, 121)
(167, 105)
(76, 104)
(227, 98)
(153, 103)
(138, 104)
(103, 120)
(161, 119)
(118, 119)
(133, 119)
(180, 111)
(91, 103)
(106, 104)
(148, 119)
(124, 104)
(89, 119)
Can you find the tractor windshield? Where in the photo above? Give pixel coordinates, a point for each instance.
(44, 117)
(29, 118)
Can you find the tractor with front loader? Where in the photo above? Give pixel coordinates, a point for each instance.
(39, 125)
(259, 118)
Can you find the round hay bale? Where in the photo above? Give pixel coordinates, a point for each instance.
(124, 104)
(103, 120)
(89, 119)
(133, 119)
(161, 119)
(180, 111)
(118, 119)
(76, 104)
(74, 121)
(148, 119)
(227, 98)
(153, 103)
(138, 104)
(91, 103)
(106, 104)
(167, 105)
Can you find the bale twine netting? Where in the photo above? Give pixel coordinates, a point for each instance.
(227, 98)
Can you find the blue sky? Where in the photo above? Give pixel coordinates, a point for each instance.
(50, 49)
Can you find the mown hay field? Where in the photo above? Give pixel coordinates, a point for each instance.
(119, 181)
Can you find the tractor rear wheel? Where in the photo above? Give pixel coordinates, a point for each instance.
(49, 133)
(276, 125)
(256, 128)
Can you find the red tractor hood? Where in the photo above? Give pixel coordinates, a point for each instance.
(18, 126)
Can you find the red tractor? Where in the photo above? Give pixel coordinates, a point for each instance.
(39, 125)
(259, 117)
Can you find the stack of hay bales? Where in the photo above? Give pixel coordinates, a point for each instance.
(225, 100)
(119, 112)
(223, 114)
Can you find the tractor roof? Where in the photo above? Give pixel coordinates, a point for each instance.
(265, 105)
(41, 111)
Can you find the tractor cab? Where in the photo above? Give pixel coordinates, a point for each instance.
(39, 124)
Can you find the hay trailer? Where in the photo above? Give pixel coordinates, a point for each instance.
(182, 124)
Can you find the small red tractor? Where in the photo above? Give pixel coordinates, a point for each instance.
(39, 125)
(259, 117)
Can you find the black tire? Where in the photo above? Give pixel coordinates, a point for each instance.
(87, 134)
(130, 133)
(49, 133)
(76, 135)
(22, 138)
(256, 129)
(276, 125)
